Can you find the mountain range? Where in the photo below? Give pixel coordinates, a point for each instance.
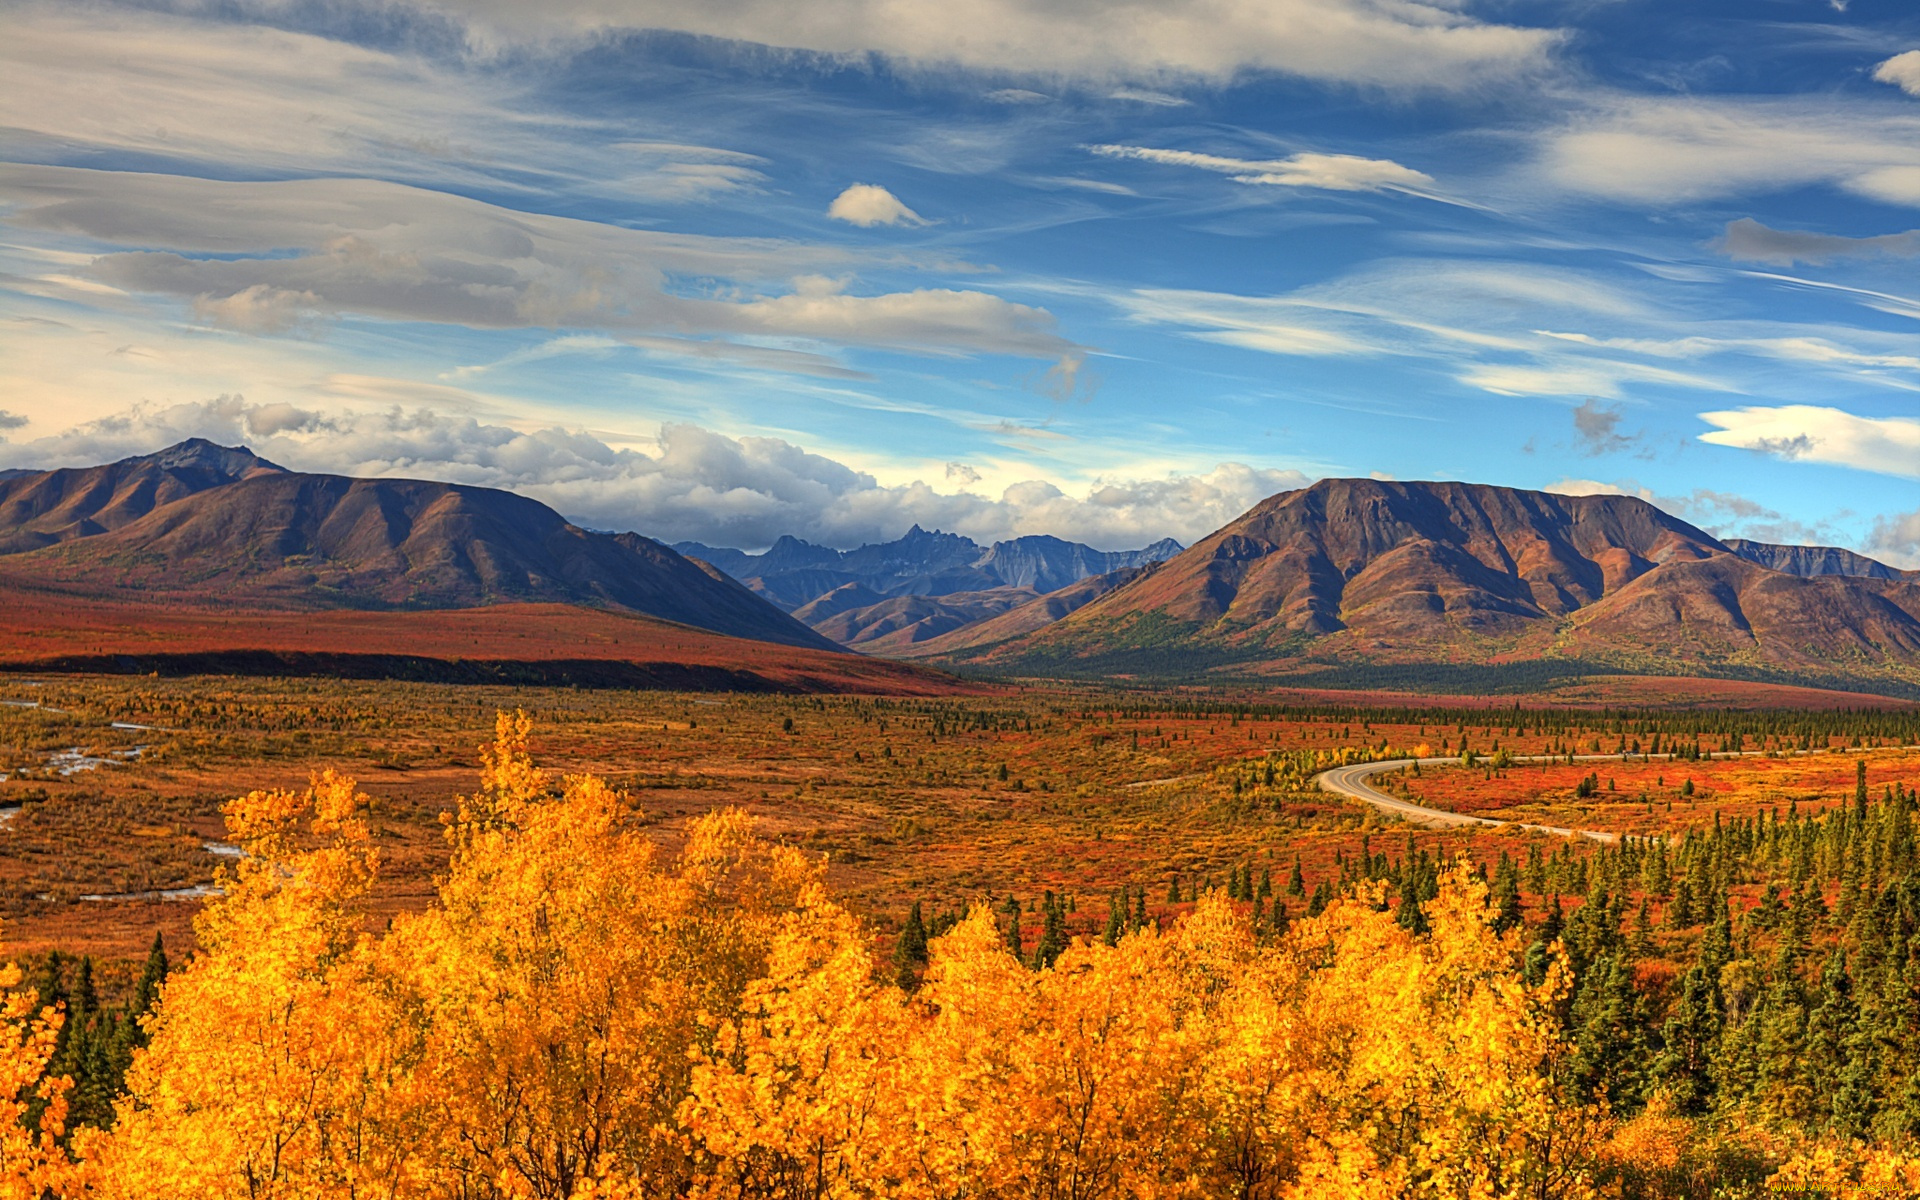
(1359, 570)
(203, 524)
(898, 597)
(1344, 574)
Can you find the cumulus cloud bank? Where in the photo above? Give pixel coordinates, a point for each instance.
(693, 484)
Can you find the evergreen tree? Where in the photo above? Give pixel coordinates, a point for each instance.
(1691, 1035)
(1053, 935)
(1409, 916)
(1506, 897)
(1322, 897)
(910, 952)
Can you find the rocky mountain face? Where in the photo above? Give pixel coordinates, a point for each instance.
(898, 597)
(198, 523)
(793, 573)
(40, 508)
(1809, 562)
(1364, 570)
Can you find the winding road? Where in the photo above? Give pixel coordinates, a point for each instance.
(1352, 783)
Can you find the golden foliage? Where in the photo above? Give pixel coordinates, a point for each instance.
(575, 1017)
(31, 1160)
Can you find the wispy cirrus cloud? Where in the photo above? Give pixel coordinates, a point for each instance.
(1660, 151)
(398, 253)
(1329, 172)
(1393, 44)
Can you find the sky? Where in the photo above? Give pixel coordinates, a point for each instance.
(1112, 270)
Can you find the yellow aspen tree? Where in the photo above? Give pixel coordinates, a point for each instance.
(273, 1053)
(799, 1097)
(32, 1161)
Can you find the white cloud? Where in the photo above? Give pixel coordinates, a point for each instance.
(1397, 44)
(691, 483)
(1275, 325)
(1331, 172)
(1018, 96)
(1474, 318)
(676, 173)
(1902, 71)
(868, 205)
(1594, 487)
(1142, 96)
(1809, 433)
(101, 77)
(1603, 377)
(1665, 151)
(298, 251)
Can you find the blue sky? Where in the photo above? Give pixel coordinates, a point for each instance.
(1112, 271)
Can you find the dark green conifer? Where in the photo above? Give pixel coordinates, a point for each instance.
(910, 952)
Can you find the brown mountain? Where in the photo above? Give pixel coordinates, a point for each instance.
(1811, 561)
(1358, 570)
(245, 533)
(1031, 617)
(39, 508)
(894, 624)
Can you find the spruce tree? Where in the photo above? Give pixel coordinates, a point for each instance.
(910, 952)
(1053, 936)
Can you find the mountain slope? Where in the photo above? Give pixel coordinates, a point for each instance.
(1809, 562)
(1030, 617)
(894, 623)
(40, 508)
(276, 539)
(1363, 570)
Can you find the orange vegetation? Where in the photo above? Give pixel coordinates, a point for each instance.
(1646, 798)
(44, 629)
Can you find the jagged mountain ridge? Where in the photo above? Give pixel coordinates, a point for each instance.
(198, 523)
(40, 508)
(1365, 570)
(794, 573)
(1810, 562)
